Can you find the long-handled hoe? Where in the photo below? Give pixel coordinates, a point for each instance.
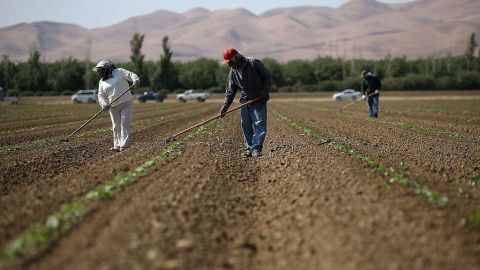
(171, 138)
(66, 139)
(348, 105)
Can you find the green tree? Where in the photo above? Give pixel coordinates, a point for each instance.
(470, 53)
(221, 75)
(7, 74)
(327, 69)
(298, 72)
(165, 75)
(198, 74)
(31, 76)
(276, 71)
(137, 57)
(399, 67)
(90, 78)
(66, 74)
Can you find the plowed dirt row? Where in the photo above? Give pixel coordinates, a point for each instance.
(452, 115)
(54, 157)
(29, 114)
(444, 159)
(47, 177)
(302, 205)
(62, 127)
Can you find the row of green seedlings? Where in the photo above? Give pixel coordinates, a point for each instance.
(148, 113)
(51, 141)
(429, 131)
(49, 112)
(411, 126)
(395, 177)
(39, 235)
(426, 130)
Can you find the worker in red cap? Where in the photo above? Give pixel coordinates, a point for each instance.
(254, 81)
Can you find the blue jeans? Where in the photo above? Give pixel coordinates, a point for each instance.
(373, 106)
(254, 125)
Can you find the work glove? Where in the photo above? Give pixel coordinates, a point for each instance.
(222, 112)
(105, 108)
(377, 91)
(364, 97)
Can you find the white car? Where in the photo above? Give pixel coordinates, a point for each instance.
(192, 95)
(85, 96)
(347, 94)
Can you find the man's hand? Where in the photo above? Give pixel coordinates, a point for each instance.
(364, 97)
(222, 112)
(377, 91)
(105, 108)
(136, 83)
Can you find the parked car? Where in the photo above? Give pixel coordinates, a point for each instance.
(150, 95)
(192, 95)
(347, 94)
(85, 96)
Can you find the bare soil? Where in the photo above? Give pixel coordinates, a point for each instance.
(302, 205)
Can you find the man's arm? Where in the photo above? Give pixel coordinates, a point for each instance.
(130, 76)
(102, 98)
(230, 91)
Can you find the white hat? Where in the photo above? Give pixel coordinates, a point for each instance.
(101, 64)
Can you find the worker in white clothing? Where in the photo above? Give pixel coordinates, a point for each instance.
(113, 83)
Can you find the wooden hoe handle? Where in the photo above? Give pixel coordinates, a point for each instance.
(215, 117)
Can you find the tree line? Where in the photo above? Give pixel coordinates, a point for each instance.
(322, 73)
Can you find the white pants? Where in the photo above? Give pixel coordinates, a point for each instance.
(121, 116)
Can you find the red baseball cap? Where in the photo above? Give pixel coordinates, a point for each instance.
(228, 54)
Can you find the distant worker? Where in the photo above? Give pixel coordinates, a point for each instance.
(254, 80)
(371, 87)
(113, 82)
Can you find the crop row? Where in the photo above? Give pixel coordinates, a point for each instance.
(67, 116)
(407, 126)
(38, 237)
(138, 125)
(394, 176)
(67, 123)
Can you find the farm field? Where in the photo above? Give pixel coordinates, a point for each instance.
(333, 190)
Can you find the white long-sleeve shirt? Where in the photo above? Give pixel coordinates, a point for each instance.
(110, 89)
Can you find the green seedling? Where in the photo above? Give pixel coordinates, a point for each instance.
(41, 234)
(474, 219)
(476, 180)
(394, 177)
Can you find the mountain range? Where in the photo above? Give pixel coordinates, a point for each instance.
(357, 29)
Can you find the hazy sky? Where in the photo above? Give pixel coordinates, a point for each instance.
(100, 13)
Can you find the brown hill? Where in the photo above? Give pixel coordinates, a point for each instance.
(359, 28)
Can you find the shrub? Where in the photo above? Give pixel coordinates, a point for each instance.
(67, 92)
(216, 89)
(307, 88)
(50, 93)
(446, 83)
(392, 84)
(330, 86)
(468, 80)
(418, 82)
(352, 83)
(27, 94)
(287, 89)
(13, 93)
